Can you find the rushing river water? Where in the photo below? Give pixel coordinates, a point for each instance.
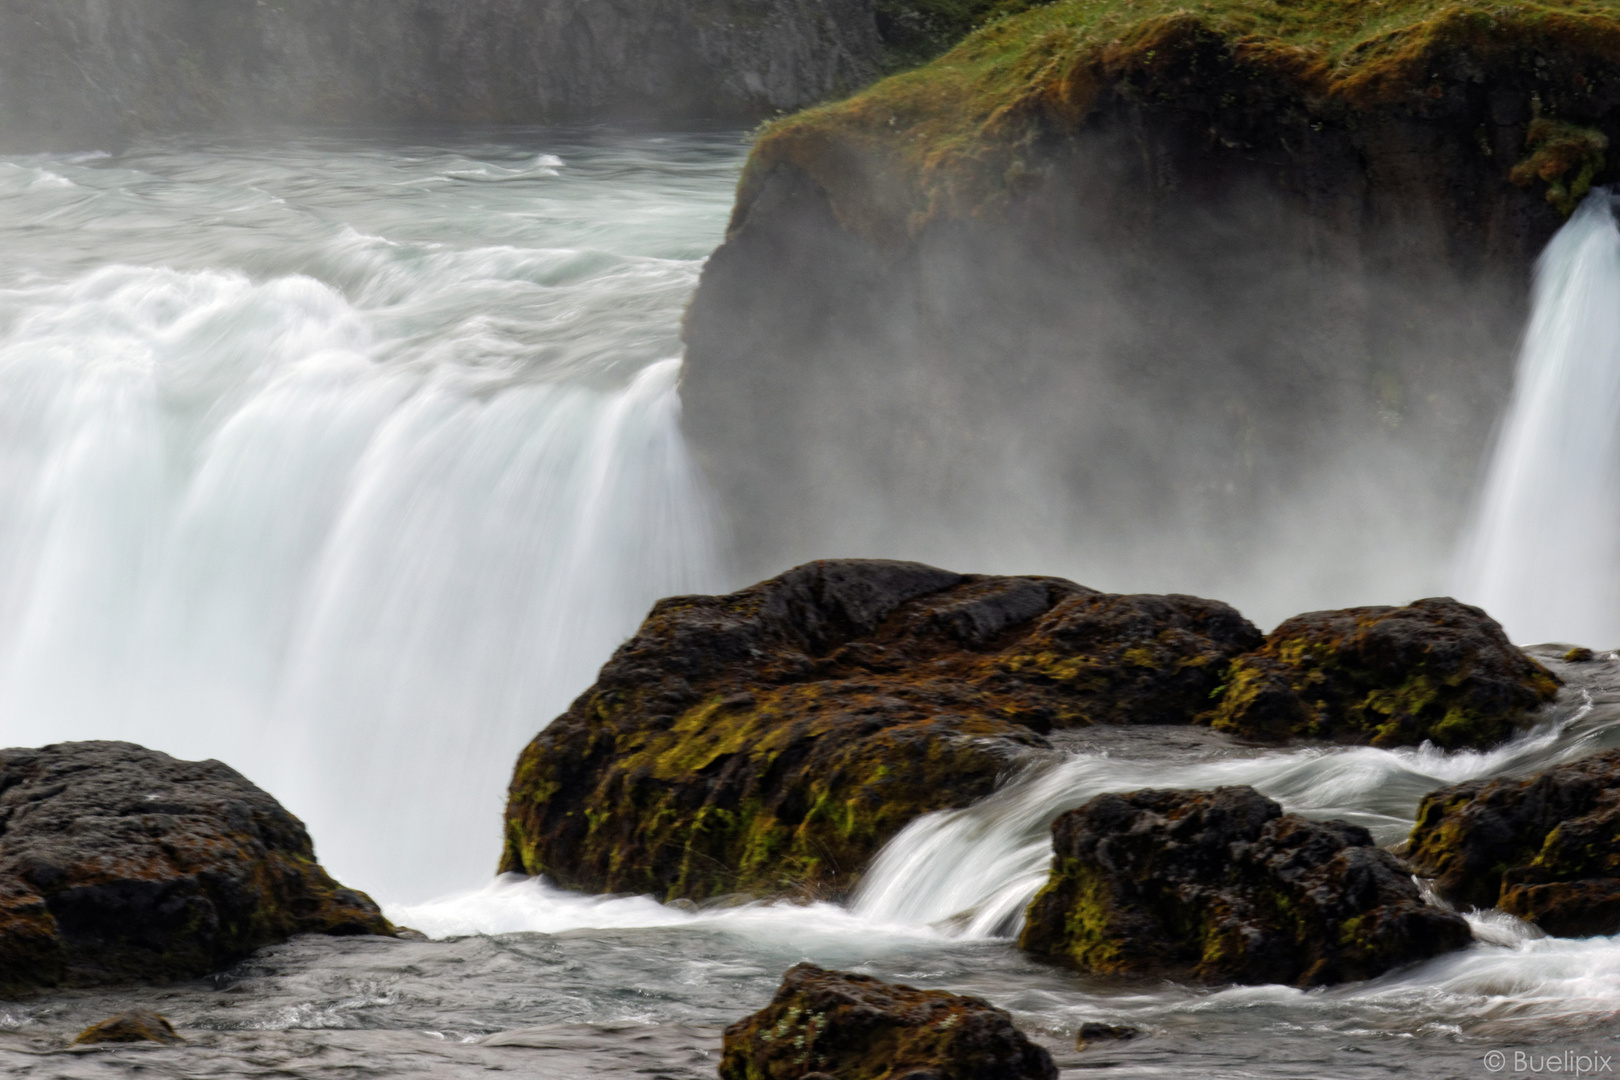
(347, 461)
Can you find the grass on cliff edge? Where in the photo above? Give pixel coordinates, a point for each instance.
(950, 135)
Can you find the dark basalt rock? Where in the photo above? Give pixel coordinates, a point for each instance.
(136, 1025)
(1546, 849)
(771, 741)
(855, 1027)
(1222, 886)
(119, 863)
(1434, 670)
(1092, 1032)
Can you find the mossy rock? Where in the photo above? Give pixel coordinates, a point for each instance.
(966, 135)
(772, 740)
(1222, 886)
(855, 1027)
(1546, 849)
(121, 864)
(1435, 670)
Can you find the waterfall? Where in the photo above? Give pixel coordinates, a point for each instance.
(229, 529)
(1542, 552)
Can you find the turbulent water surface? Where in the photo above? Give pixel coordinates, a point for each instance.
(348, 461)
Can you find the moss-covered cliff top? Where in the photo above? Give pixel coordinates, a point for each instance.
(953, 138)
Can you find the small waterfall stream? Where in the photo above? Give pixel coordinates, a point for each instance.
(1541, 553)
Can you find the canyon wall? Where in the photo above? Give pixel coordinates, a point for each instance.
(1167, 304)
(96, 69)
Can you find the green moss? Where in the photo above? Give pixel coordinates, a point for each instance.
(1566, 157)
(962, 136)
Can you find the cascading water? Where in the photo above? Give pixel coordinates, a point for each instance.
(349, 462)
(1541, 554)
(313, 478)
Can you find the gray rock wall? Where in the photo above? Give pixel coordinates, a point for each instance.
(76, 68)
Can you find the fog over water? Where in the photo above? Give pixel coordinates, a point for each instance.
(349, 460)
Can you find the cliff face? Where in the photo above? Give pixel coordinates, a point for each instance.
(79, 68)
(1234, 288)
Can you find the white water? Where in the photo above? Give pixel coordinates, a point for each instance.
(300, 471)
(1542, 551)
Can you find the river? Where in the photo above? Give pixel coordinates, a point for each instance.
(348, 460)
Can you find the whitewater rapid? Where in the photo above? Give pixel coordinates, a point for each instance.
(345, 463)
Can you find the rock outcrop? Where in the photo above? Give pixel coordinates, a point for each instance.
(1434, 670)
(1222, 886)
(771, 741)
(1221, 288)
(136, 1025)
(84, 70)
(120, 864)
(855, 1027)
(1546, 849)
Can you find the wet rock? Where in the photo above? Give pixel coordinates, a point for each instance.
(1222, 886)
(136, 1025)
(119, 863)
(1546, 849)
(1092, 1033)
(771, 741)
(1435, 670)
(855, 1027)
(1580, 654)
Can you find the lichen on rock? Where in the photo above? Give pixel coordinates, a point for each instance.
(1434, 670)
(122, 864)
(1222, 886)
(771, 741)
(1546, 849)
(856, 1027)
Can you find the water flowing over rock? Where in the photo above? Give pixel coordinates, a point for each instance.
(120, 864)
(1546, 849)
(90, 70)
(1234, 291)
(771, 741)
(1434, 670)
(1222, 886)
(855, 1027)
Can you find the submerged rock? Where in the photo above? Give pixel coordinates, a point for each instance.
(1546, 849)
(855, 1027)
(771, 741)
(119, 863)
(1093, 1032)
(136, 1025)
(1222, 886)
(1434, 670)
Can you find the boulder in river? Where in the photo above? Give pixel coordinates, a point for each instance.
(1435, 670)
(135, 1025)
(855, 1027)
(1546, 849)
(119, 864)
(1222, 886)
(772, 740)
